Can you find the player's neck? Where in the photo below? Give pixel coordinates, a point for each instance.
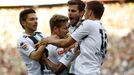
(31, 33)
(93, 18)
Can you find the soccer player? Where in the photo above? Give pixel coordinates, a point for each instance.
(76, 9)
(58, 58)
(26, 43)
(92, 38)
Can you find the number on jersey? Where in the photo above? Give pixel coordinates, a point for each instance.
(104, 40)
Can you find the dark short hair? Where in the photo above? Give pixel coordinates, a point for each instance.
(56, 20)
(97, 8)
(23, 15)
(81, 4)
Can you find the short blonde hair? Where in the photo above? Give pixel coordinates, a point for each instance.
(56, 20)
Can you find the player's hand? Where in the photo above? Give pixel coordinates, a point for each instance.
(41, 43)
(45, 41)
(44, 55)
(69, 48)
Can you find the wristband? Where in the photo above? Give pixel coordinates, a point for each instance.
(67, 58)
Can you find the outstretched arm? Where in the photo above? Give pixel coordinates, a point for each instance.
(58, 42)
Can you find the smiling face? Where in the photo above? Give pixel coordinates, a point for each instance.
(30, 24)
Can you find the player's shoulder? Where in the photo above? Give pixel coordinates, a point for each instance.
(91, 23)
(40, 33)
(22, 37)
(51, 47)
(87, 21)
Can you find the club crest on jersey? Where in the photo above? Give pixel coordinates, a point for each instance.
(24, 46)
(60, 52)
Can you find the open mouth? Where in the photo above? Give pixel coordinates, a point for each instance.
(71, 18)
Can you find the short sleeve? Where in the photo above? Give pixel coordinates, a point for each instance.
(82, 31)
(27, 50)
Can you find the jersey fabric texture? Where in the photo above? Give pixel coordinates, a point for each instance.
(92, 39)
(55, 54)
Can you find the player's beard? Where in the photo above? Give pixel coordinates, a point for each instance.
(76, 21)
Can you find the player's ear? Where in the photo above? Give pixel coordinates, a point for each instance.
(82, 13)
(23, 23)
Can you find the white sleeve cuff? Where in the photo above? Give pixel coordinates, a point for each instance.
(67, 58)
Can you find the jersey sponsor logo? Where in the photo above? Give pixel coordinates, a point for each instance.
(67, 57)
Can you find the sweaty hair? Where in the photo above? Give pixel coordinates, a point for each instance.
(97, 8)
(56, 20)
(81, 4)
(23, 15)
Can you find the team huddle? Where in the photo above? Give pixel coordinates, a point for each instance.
(77, 45)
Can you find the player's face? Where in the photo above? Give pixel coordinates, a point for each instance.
(73, 13)
(31, 22)
(63, 30)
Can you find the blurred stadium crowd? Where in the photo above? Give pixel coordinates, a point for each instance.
(120, 56)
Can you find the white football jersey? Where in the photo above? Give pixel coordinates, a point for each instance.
(92, 39)
(33, 66)
(71, 29)
(55, 54)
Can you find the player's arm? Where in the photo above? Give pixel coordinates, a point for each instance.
(37, 54)
(26, 48)
(58, 42)
(56, 68)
